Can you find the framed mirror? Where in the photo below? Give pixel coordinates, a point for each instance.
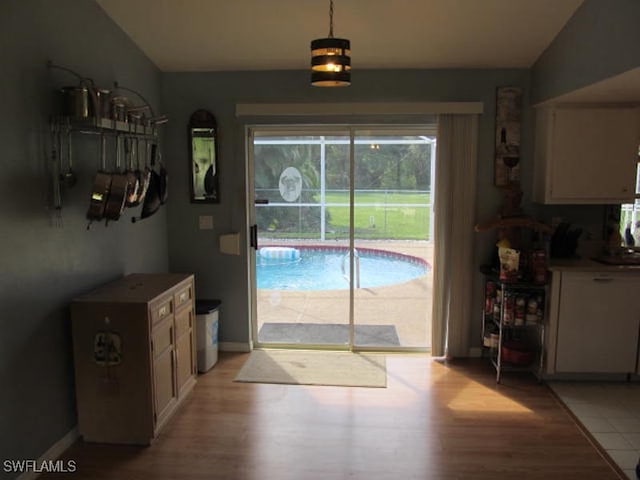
(203, 157)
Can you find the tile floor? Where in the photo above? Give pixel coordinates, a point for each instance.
(611, 414)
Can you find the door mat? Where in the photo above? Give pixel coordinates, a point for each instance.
(328, 334)
(302, 367)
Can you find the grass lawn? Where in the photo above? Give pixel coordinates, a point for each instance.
(378, 216)
(381, 216)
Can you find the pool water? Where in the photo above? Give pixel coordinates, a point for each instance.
(323, 270)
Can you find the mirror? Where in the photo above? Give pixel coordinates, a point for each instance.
(203, 157)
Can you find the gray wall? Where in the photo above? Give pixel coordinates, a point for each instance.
(225, 277)
(43, 266)
(601, 40)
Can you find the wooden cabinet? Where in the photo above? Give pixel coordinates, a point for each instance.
(595, 319)
(134, 355)
(184, 348)
(586, 155)
(164, 367)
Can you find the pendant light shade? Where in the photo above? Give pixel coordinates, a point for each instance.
(330, 59)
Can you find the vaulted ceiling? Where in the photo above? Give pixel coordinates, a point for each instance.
(216, 35)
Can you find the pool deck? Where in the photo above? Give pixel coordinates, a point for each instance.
(407, 306)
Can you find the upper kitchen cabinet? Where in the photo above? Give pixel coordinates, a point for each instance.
(586, 154)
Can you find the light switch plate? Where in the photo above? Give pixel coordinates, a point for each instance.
(205, 222)
(230, 243)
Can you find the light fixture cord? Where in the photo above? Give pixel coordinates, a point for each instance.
(330, 18)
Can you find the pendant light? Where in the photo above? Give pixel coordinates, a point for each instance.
(330, 59)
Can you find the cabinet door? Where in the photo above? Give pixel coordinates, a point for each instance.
(185, 367)
(164, 381)
(590, 154)
(598, 323)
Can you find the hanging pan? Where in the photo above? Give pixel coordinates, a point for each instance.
(151, 203)
(152, 200)
(163, 175)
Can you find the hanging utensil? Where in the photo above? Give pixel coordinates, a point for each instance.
(141, 175)
(55, 172)
(145, 173)
(68, 178)
(133, 181)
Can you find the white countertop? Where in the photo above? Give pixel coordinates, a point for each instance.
(588, 265)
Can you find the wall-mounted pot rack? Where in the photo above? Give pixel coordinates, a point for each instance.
(87, 109)
(107, 126)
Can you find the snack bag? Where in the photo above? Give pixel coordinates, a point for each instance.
(509, 261)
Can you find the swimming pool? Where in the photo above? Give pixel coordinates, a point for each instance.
(321, 268)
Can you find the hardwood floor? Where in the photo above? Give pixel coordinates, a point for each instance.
(433, 421)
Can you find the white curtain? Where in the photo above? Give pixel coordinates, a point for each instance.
(454, 204)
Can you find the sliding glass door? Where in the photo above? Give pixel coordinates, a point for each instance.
(341, 237)
(391, 231)
(301, 291)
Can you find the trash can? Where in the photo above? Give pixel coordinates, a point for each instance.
(207, 333)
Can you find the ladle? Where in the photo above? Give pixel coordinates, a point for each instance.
(69, 178)
(55, 165)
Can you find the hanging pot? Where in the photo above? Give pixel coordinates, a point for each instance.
(75, 101)
(103, 102)
(116, 203)
(85, 101)
(101, 188)
(141, 178)
(144, 174)
(120, 108)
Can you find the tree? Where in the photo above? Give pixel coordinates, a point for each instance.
(270, 162)
(384, 167)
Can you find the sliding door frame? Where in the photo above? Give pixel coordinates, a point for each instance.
(338, 129)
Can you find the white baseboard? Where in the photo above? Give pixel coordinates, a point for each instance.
(54, 452)
(234, 347)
